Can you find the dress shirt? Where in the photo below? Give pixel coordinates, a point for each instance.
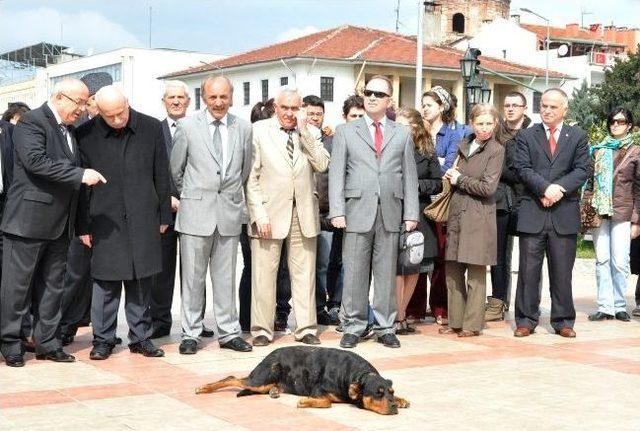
(66, 134)
(372, 128)
(556, 134)
(173, 124)
(224, 135)
(473, 146)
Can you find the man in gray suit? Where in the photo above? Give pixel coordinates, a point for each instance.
(373, 188)
(210, 161)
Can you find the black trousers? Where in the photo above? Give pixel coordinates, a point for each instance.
(561, 255)
(334, 271)
(163, 283)
(501, 272)
(77, 286)
(105, 304)
(283, 285)
(32, 278)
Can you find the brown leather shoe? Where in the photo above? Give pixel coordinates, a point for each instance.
(260, 341)
(448, 330)
(567, 332)
(466, 333)
(522, 331)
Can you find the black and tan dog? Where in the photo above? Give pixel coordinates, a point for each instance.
(321, 375)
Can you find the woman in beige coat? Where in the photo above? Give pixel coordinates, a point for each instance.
(471, 226)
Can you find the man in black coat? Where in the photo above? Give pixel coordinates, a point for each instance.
(122, 220)
(551, 161)
(38, 221)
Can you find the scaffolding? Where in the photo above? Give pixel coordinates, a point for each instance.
(22, 63)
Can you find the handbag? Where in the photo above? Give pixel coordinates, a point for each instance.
(410, 250)
(438, 209)
(589, 218)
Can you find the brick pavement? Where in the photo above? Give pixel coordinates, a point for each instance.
(492, 382)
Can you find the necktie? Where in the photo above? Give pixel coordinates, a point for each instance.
(65, 133)
(378, 136)
(217, 140)
(552, 140)
(290, 143)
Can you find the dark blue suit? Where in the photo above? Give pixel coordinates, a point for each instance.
(551, 231)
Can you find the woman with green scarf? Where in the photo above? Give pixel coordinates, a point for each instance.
(616, 199)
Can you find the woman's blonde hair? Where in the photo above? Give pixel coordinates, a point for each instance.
(483, 109)
(420, 132)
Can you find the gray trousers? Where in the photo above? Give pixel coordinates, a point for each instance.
(105, 304)
(219, 254)
(362, 252)
(466, 298)
(31, 278)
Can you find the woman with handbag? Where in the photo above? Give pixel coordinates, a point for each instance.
(615, 198)
(471, 223)
(429, 183)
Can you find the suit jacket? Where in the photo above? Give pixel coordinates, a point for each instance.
(209, 200)
(124, 215)
(168, 141)
(358, 180)
(275, 180)
(43, 196)
(537, 169)
(6, 153)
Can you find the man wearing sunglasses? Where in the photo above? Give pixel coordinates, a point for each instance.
(373, 190)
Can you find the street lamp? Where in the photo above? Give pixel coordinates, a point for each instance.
(485, 91)
(546, 73)
(472, 88)
(469, 63)
(474, 91)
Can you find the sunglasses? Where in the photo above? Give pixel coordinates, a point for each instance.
(616, 122)
(378, 94)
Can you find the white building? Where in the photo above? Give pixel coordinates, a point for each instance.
(135, 70)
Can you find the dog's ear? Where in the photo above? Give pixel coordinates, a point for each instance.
(389, 382)
(354, 391)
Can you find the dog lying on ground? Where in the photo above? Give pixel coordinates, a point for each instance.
(321, 375)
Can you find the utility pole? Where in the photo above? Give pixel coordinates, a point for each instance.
(150, 21)
(398, 17)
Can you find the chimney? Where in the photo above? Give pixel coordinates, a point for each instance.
(573, 29)
(433, 25)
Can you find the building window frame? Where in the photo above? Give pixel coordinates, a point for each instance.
(326, 88)
(264, 84)
(246, 93)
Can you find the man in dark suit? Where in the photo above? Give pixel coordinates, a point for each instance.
(122, 220)
(176, 101)
(38, 221)
(551, 161)
(76, 297)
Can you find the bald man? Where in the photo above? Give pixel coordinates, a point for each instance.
(39, 219)
(123, 219)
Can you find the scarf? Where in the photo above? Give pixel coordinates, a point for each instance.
(602, 200)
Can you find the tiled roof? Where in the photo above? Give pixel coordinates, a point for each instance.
(357, 44)
(572, 31)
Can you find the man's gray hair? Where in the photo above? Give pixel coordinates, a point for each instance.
(210, 78)
(174, 83)
(559, 91)
(286, 90)
(66, 85)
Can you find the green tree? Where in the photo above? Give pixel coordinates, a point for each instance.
(584, 107)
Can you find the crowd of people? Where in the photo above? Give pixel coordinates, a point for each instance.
(96, 196)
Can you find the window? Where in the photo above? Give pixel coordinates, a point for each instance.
(246, 91)
(197, 97)
(536, 102)
(458, 23)
(326, 88)
(284, 81)
(265, 89)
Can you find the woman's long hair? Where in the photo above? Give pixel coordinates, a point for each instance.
(422, 138)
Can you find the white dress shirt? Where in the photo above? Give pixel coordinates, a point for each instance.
(172, 126)
(224, 134)
(556, 133)
(372, 128)
(67, 134)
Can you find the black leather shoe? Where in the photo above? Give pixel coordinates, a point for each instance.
(309, 339)
(57, 355)
(622, 315)
(325, 319)
(237, 344)
(188, 347)
(146, 348)
(349, 341)
(206, 332)
(598, 316)
(260, 341)
(66, 339)
(159, 333)
(101, 351)
(14, 361)
(389, 340)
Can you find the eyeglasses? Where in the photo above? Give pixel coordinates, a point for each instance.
(512, 106)
(617, 122)
(378, 94)
(80, 104)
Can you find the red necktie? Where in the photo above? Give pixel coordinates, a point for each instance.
(552, 140)
(378, 136)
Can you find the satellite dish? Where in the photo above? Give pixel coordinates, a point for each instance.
(563, 50)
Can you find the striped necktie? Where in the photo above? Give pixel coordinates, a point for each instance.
(290, 143)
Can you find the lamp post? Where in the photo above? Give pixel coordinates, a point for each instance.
(423, 7)
(468, 67)
(485, 91)
(546, 73)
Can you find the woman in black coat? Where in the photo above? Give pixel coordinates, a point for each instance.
(429, 183)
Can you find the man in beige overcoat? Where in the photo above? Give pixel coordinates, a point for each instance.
(283, 207)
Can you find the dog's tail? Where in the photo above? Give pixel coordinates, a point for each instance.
(228, 382)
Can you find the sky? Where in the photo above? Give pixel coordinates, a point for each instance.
(234, 26)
